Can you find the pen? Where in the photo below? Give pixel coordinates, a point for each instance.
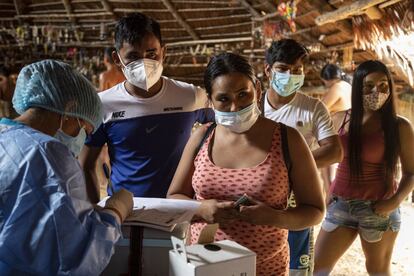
(108, 177)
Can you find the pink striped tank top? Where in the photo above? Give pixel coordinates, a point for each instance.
(267, 182)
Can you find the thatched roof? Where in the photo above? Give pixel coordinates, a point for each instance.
(77, 30)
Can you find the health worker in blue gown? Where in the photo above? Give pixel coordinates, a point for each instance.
(47, 225)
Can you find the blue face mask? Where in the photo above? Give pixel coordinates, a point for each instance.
(285, 84)
(74, 144)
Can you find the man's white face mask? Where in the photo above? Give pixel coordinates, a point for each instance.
(142, 73)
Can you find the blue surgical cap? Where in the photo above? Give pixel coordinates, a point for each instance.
(55, 86)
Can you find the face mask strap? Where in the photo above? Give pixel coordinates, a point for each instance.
(120, 59)
(80, 126)
(61, 121)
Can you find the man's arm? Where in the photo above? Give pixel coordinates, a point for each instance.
(202, 103)
(88, 159)
(329, 152)
(330, 149)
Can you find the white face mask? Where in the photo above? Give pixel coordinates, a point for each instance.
(142, 73)
(375, 100)
(240, 121)
(74, 144)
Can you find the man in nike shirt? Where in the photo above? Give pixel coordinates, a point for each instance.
(147, 119)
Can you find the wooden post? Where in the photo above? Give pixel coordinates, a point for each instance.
(252, 11)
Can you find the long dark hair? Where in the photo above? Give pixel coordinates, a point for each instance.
(389, 122)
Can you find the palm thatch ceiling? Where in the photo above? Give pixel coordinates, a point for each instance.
(340, 31)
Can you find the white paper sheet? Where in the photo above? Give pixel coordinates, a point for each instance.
(160, 213)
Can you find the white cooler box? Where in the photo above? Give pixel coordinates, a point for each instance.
(216, 259)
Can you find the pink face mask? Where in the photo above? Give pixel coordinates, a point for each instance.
(375, 100)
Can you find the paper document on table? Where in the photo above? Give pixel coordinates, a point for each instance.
(160, 213)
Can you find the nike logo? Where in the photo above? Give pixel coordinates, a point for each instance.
(149, 130)
(119, 114)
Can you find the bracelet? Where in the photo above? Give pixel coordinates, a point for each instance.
(115, 211)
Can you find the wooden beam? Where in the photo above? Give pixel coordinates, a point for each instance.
(91, 44)
(176, 39)
(248, 51)
(172, 30)
(267, 16)
(46, 4)
(212, 9)
(346, 11)
(301, 31)
(217, 35)
(270, 5)
(97, 20)
(389, 3)
(180, 20)
(209, 41)
(225, 3)
(251, 10)
(222, 26)
(8, 11)
(133, 1)
(73, 20)
(343, 25)
(8, 18)
(373, 13)
(19, 8)
(129, 10)
(84, 1)
(62, 26)
(330, 36)
(228, 17)
(63, 15)
(336, 47)
(68, 8)
(346, 27)
(43, 11)
(9, 5)
(335, 2)
(75, 11)
(303, 15)
(108, 8)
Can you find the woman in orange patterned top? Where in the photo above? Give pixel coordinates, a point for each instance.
(248, 154)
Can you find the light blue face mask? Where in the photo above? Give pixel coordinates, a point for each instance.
(285, 84)
(74, 144)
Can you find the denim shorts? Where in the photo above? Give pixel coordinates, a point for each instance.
(358, 214)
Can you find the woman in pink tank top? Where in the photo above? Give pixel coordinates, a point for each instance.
(365, 196)
(245, 154)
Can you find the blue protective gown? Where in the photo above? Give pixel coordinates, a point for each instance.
(47, 226)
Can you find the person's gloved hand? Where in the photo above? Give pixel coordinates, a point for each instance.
(120, 203)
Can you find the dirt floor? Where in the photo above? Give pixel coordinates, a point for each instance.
(353, 262)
